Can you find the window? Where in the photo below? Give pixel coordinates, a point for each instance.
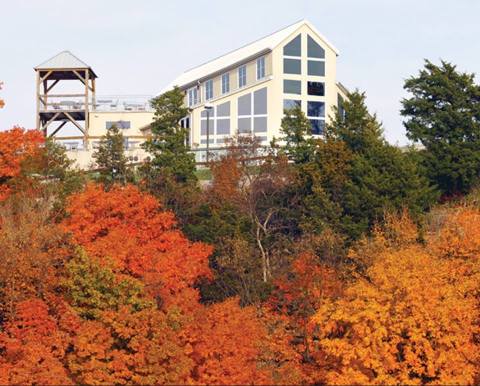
(193, 96)
(292, 66)
(292, 86)
(242, 76)
(261, 68)
(291, 104)
(118, 124)
(316, 68)
(316, 88)
(208, 89)
(314, 50)
(260, 101)
(294, 47)
(225, 83)
(316, 109)
(318, 125)
(252, 112)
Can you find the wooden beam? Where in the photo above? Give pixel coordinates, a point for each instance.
(52, 85)
(65, 95)
(74, 122)
(46, 76)
(38, 100)
(80, 77)
(58, 128)
(45, 127)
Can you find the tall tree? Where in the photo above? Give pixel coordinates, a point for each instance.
(443, 114)
(111, 159)
(380, 175)
(172, 158)
(170, 175)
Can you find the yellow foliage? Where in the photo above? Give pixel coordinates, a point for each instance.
(413, 317)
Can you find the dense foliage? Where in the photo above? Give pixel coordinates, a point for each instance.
(314, 261)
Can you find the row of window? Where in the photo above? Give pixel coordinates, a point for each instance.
(294, 66)
(295, 87)
(193, 95)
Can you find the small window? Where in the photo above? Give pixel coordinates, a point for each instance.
(261, 68)
(314, 50)
(316, 88)
(316, 68)
(315, 109)
(292, 86)
(118, 124)
(225, 83)
(294, 47)
(291, 104)
(292, 66)
(193, 96)
(208, 89)
(242, 76)
(318, 126)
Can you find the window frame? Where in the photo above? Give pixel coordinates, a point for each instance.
(242, 69)
(225, 84)
(208, 89)
(192, 96)
(261, 69)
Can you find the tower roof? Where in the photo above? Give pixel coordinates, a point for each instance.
(65, 60)
(232, 58)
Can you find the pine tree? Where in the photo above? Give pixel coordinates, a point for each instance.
(172, 158)
(443, 113)
(111, 159)
(380, 176)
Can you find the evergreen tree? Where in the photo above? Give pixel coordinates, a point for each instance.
(443, 113)
(170, 175)
(172, 158)
(380, 175)
(110, 158)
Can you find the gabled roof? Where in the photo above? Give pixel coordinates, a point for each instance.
(63, 60)
(232, 58)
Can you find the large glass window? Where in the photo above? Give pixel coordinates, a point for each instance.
(291, 103)
(261, 68)
(292, 66)
(316, 88)
(208, 89)
(314, 50)
(193, 97)
(316, 68)
(292, 86)
(242, 76)
(315, 109)
(294, 47)
(225, 83)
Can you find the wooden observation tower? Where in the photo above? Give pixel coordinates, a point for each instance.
(60, 103)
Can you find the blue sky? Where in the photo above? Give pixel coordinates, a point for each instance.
(137, 47)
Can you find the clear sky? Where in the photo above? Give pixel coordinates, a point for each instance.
(138, 46)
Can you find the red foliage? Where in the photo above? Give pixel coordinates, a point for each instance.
(15, 146)
(130, 228)
(34, 346)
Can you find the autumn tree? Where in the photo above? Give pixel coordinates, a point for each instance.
(34, 343)
(393, 325)
(130, 230)
(32, 248)
(16, 145)
(442, 113)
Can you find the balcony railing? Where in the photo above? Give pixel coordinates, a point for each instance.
(75, 102)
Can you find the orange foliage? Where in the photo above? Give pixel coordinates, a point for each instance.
(130, 228)
(412, 318)
(459, 235)
(34, 347)
(15, 146)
